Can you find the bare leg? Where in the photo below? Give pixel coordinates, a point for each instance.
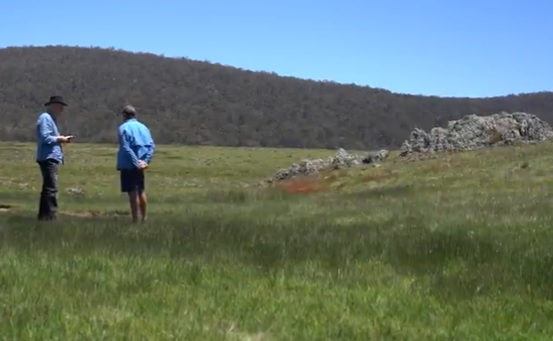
(133, 201)
(143, 203)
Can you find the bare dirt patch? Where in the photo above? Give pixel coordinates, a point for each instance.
(96, 214)
(303, 185)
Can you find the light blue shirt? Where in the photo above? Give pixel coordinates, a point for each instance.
(47, 145)
(135, 144)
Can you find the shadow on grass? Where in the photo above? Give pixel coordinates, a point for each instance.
(455, 263)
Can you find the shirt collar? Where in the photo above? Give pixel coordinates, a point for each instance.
(52, 116)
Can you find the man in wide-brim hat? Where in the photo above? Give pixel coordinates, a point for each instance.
(49, 155)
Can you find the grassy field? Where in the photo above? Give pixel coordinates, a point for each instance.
(459, 247)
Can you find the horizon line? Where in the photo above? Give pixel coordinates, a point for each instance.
(323, 81)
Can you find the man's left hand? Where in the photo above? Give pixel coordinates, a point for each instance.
(142, 164)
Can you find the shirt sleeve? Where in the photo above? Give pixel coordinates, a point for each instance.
(151, 151)
(124, 142)
(46, 132)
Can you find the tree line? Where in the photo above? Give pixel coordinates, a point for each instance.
(194, 102)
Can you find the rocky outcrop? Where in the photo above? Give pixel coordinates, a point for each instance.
(342, 159)
(475, 132)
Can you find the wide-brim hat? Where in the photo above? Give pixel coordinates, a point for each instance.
(56, 99)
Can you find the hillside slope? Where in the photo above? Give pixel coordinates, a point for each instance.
(195, 102)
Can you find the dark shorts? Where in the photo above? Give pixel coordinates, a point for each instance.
(132, 180)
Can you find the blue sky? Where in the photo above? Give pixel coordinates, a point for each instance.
(432, 47)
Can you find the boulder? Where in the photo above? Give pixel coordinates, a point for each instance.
(476, 132)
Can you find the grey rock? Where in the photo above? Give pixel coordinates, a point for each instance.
(380, 155)
(476, 132)
(76, 191)
(341, 160)
(344, 159)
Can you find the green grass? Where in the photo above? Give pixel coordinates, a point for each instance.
(458, 247)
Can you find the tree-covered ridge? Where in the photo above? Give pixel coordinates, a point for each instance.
(195, 102)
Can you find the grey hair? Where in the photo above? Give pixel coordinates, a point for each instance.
(129, 110)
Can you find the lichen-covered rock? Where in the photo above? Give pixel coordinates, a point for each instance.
(376, 156)
(341, 160)
(344, 159)
(475, 132)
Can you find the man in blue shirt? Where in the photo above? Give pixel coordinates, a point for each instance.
(136, 149)
(49, 155)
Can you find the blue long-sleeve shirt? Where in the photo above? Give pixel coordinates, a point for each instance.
(135, 144)
(47, 144)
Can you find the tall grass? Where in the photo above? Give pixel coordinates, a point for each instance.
(453, 248)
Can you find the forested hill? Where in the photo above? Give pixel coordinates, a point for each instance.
(194, 102)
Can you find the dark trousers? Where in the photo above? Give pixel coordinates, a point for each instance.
(48, 196)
